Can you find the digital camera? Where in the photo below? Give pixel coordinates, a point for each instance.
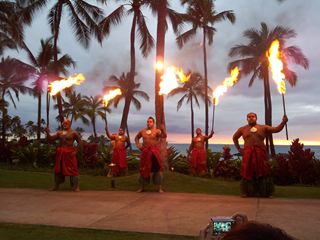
(221, 225)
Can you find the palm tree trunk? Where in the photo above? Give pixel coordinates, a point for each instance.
(129, 94)
(268, 112)
(206, 86)
(159, 101)
(48, 108)
(3, 109)
(266, 109)
(161, 32)
(192, 118)
(94, 127)
(272, 149)
(55, 49)
(39, 117)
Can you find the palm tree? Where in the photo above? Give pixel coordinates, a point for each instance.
(191, 90)
(75, 107)
(43, 67)
(146, 42)
(16, 128)
(13, 74)
(83, 18)
(163, 10)
(124, 83)
(201, 14)
(253, 60)
(10, 31)
(93, 109)
(14, 15)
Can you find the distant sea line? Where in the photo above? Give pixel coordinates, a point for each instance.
(182, 148)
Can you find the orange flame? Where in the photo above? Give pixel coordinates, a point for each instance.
(171, 79)
(59, 85)
(276, 66)
(227, 83)
(111, 95)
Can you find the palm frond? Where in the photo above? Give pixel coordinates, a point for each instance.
(114, 18)
(146, 40)
(296, 55)
(185, 37)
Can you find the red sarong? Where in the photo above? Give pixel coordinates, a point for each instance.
(119, 157)
(254, 162)
(199, 160)
(146, 160)
(66, 162)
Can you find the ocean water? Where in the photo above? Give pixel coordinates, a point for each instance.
(182, 148)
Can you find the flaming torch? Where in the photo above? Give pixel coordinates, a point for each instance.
(171, 78)
(276, 66)
(222, 89)
(107, 97)
(59, 85)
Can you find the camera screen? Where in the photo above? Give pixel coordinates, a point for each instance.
(221, 226)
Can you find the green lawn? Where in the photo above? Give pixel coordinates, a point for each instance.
(173, 182)
(10, 231)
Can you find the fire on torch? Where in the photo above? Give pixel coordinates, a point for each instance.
(171, 78)
(276, 66)
(59, 85)
(107, 97)
(222, 89)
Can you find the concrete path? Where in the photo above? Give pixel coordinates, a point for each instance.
(171, 213)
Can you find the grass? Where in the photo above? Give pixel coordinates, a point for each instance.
(10, 231)
(173, 182)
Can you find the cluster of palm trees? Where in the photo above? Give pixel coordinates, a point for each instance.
(88, 20)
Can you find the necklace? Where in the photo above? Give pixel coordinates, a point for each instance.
(253, 129)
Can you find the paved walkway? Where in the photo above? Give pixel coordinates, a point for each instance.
(171, 213)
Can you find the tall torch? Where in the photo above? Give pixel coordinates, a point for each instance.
(222, 89)
(107, 97)
(57, 86)
(276, 66)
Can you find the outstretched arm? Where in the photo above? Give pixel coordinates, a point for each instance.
(210, 135)
(111, 137)
(279, 127)
(51, 137)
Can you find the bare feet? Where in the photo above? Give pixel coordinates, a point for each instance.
(77, 189)
(55, 188)
(161, 190)
(140, 190)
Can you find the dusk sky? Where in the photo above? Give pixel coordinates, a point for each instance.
(98, 63)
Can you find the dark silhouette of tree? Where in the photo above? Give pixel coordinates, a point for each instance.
(253, 60)
(201, 14)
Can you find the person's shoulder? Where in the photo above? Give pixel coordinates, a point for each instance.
(242, 128)
(262, 126)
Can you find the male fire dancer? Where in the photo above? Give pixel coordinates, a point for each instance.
(255, 169)
(119, 154)
(150, 161)
(198, 163)
(66, 163)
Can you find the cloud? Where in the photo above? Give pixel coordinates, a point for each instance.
(99, 62)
